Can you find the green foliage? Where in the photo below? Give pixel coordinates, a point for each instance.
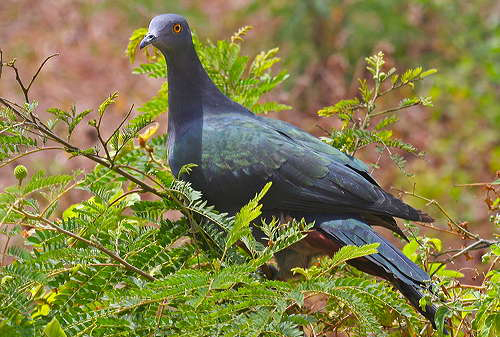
(120, 264)
(344, 254)
(357, 114)
(244, 81)
(71, 118)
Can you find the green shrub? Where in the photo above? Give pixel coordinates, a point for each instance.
(115, 264)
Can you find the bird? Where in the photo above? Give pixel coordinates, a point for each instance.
(236, 153)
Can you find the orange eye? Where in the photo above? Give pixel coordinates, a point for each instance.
(177, 28)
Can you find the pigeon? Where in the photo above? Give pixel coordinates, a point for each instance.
(237, 152)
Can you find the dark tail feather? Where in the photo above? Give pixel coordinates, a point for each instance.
(386, 222)
(414, 295)
(399, 209)
(424, 217)
(389, 263)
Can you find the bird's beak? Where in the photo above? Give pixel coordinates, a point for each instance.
(148, 39)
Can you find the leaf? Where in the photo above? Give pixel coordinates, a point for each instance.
(344, 254)
(410, 250)
(268, 107)
(148, 133)
(54, 329)
(346, 106)
(77, 119)
(245, 216)
(134, 41)
(238, 36)
(428, 73)
(407, 102)
(386, 122)
(352, 252)
(443, 271)
(107, 102)
(441, 314)
(438, 245)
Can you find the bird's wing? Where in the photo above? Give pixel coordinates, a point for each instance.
(309, 141)
(246, 153)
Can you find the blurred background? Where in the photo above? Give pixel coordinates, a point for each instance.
(323, 44)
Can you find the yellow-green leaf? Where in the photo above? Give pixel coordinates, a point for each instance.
(54, 329)
(428, 72)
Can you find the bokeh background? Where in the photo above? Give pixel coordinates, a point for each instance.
(322, 44)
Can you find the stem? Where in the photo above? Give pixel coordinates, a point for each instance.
(4, 253)
(482, 243)
(39, 69)
(124, 195)
(88, 242)
(393, 109)
(370, 107)
(69, 188)
(438, 205)
(101, 140)
(140, 172)
(478, 184)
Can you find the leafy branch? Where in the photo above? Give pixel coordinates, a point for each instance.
(30, 121)
(357, 114)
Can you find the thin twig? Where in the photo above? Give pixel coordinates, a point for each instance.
(383, 112)
(117, 129)
(140, 172)
(438, 205)
(478, 184)
(1, 62)
(482, 243)
(101, 140)
(124, 195)
(426, 225)
(24, 89)
(40, 69)
(88, 242)
(121, 124)
(66, 190)
(18, 80)
(30, 152)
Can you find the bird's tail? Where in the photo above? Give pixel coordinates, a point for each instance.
(413, 294)
(389, 263)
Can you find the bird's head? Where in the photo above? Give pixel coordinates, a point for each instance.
(168, 32)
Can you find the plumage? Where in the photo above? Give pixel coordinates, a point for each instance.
(237, 153)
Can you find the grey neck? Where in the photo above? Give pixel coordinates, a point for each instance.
(191, 93)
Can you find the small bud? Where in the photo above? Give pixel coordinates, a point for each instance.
(93, 122)
(20, 172)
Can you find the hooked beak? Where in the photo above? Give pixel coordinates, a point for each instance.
(148, 39)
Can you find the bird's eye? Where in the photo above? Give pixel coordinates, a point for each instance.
(177, 28)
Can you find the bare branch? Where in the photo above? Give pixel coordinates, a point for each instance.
(480, 244)
(438, 205)
(1, 62)
(383, 112)
(478, 184)
(39, 69)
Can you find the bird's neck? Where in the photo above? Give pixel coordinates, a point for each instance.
(191, 93)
